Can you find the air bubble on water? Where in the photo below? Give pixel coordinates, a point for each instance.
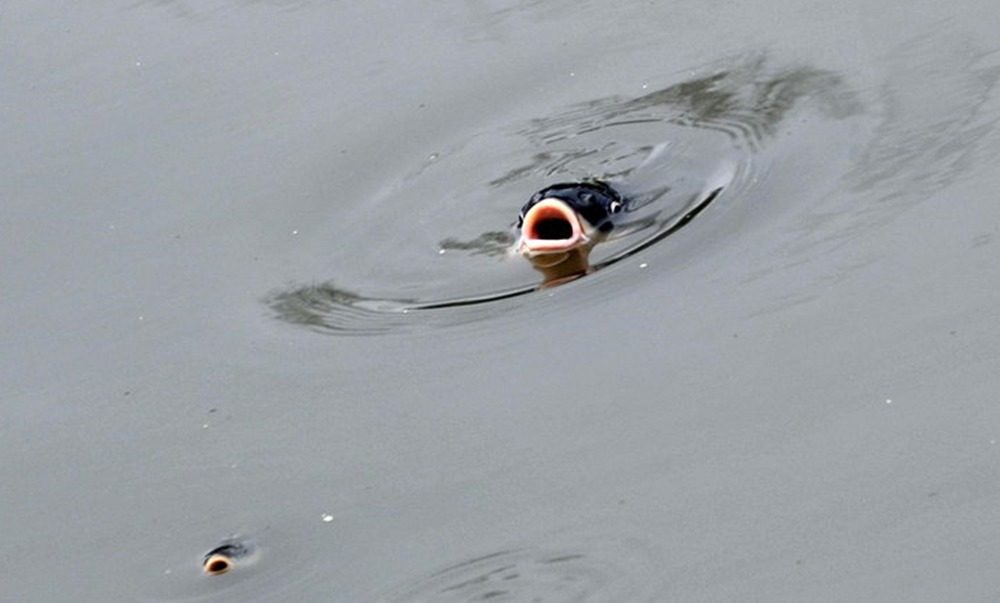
(571, 74)
(204, 425)
(644, 86)
(643, 265)
(432, 156)
(327, 518)
(295, 232)
(138, 63)
(441, 251)
(888, 401)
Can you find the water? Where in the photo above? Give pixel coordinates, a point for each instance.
(791, 398)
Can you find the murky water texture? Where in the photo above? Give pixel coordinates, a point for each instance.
(694, 146)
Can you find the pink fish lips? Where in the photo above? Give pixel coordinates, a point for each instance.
(560, 225)
(552, 226)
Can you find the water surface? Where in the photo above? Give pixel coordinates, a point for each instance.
(791, 398)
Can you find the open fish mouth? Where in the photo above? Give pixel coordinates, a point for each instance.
(551, 226)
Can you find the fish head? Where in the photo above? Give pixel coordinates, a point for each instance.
(567, 216)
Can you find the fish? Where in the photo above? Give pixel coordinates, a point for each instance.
(230, 554)
(561, 224)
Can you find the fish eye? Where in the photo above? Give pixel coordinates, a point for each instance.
(615, 207)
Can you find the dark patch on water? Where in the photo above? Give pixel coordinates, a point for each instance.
(494, 243)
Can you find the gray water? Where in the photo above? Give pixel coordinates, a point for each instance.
(794, 398)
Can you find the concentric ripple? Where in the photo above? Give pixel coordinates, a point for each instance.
(606, 570)
(440, 234)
